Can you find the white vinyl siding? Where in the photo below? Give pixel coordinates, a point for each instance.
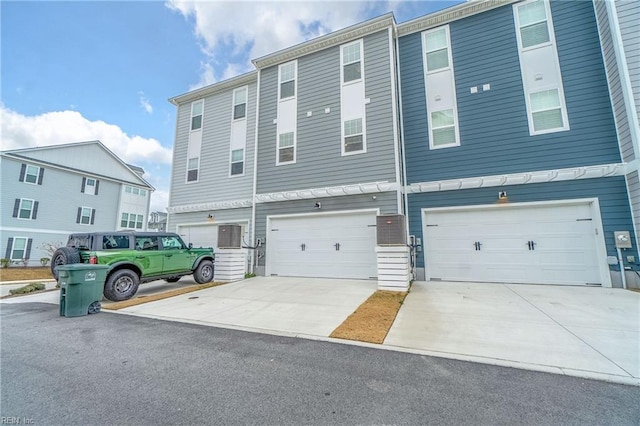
(238, 127)
(540, 68)
(287, 121)
(196, 115)
(440, 89)
(352, 98)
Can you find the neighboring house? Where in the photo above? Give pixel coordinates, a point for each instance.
(496, 126)
(213, 160)
(49, 192)
(158, 221)
(514, 171)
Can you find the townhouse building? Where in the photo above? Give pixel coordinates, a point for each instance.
(49, 192)
(504, 130)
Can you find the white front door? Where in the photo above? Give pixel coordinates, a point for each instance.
(322, 245)
(546, 244)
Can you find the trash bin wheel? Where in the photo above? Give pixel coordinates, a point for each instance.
(95, 307)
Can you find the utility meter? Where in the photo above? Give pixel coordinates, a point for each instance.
(623, 239)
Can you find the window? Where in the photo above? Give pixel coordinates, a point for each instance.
(25, 209)
(143, 193)
(124, 220)
(128, 189)
(237, 162)
(239, 103)
(146, 243)
(353, 136)
(540, 68)
(440, 89)
(131, 221)
(532, 19)
(31, 174)
(192, 169)
(86, 215)
(171, 243)
(351, 62)
(18, 248)
(287, 80)
(90, 186)
(196, 115)
(136, 191)
(286, 148)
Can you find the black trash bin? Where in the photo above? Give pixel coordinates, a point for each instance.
(81, 287)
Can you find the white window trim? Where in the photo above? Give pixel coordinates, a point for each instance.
(231, 162)
(234, 104)
(294, 146)
(559, 87)
(26, 170)
(343, 63)
(186, 175)
(364, 138)
(82, 215)
(86, 185)
(30, 211)
(295, 80)
(201, 101)
(450, 69)
(13, 244)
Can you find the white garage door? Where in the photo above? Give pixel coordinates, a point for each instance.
(523, 244)
(329, 246)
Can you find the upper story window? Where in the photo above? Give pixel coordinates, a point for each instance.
(135, 191)
(90, 186)
(286, 148)
(237, 162)
(353, 136)
(352, 62)
(240, 103)
(196, 115)
(287, 78)
(131, 220)
(192, 169)
(25, 209)
(532, 23)
(437, 49)
(86, 215)
(31, 174)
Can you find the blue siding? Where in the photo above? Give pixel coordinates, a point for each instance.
(494, 130)
(611, 193)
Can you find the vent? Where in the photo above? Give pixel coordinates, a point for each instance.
(229, 236)
(391, 230)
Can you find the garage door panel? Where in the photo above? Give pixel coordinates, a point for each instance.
(563, 251)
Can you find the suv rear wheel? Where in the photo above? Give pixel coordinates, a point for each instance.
(121, 285)
(64, 256)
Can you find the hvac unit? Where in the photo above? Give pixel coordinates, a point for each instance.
(391, 230)
(229, 236)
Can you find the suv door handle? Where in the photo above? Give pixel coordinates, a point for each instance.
(168, 255)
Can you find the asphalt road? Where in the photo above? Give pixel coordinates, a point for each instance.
(116, 369)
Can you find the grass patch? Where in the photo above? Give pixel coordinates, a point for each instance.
(373, 319)
(29, 288)
(16, 273)
(114, 306)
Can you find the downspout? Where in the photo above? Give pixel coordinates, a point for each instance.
(255, 177)
(173, 162)
(394, 102)
(404, 161)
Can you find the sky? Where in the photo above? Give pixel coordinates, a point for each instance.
(73, 71)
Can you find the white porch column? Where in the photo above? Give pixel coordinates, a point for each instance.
(394, 268)
(230, 264)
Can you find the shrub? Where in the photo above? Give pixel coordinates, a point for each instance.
(249, 275)
(5, 262)
(44, 261)
(29, 288)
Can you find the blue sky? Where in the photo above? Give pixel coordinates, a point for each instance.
(73, 71)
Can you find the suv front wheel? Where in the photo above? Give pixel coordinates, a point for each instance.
(204, 272)
(121, 285)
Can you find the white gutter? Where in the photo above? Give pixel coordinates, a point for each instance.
(255, 175)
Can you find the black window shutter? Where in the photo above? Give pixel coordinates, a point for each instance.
(93, 215)
(28, 252)
(40, 176)
(9, 246)
(34, 213)
(23, 170)
(79, 213)
(97, 186)
(16, 207)
(84, 182)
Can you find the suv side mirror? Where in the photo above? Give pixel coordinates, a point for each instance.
(190, 246)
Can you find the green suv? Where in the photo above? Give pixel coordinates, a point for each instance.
(135, 258)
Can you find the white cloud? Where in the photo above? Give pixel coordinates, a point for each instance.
(233, 33)
(61, 127)
(144, 103)
(159, 200)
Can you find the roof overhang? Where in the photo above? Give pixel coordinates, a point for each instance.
(211, 89)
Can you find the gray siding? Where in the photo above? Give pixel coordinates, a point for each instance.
(615, 85)
(629, 20)
(221, 216)
(611, 193)
(385, 201)
(319, 160)
(58, 199)
(633, 183)
(214, 183)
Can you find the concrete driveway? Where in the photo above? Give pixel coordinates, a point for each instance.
(581, 331)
